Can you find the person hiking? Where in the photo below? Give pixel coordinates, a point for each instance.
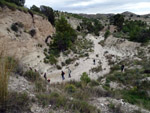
(62, 74)
(48, 80)
(94, 61)
(45, 76)
(122, 68)
(69, 73)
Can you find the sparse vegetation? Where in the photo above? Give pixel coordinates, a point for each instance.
(15, 26)
(60, 101)
(5, 69)
(107, 33)
(11, 4)
(96, 69)
(135, 81)
(32, 32)
(84, 78)
(70, 88)
(31, 75)
(91, 26)
(17, 102)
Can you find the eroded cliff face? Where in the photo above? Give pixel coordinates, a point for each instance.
(20, 44)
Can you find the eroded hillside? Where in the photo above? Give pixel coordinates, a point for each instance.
(93, 87)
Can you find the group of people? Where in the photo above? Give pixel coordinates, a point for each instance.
(63, 74)
(69, 72)
(45, 76)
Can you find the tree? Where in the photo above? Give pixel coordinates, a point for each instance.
(48, 11)
(118, 20)
(35, 8)
(17, 2)
(65, 35)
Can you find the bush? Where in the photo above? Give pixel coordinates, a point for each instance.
(115, 68)
(107, 33)
(82, 107)
(35, 8)
(32, 76)
(81, 95)
(52, 59)
(48, 12)
(68, 61)
(58, 67)
(84, 78)
(63, 64)
(54, 99)
(70, 88)
(78, 28)
(94, 83)
(136, 97)
(32, 32)
(14, 27)
(40, 86)
(97, 69)
(17, 2)
(17, 102)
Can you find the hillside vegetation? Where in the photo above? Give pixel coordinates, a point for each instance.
(37, 44)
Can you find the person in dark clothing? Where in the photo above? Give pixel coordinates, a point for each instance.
(45, 76)
(122, 68)
(35, 70)
(30, 68)
(69, 72)
(62, 74)
(94, 61)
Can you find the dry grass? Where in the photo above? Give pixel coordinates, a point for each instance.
(6, 66)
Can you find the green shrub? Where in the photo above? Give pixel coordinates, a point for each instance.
(84, 78)
(137, 97)
(115, 68)
(40, 86)
(35, 8)
(82, 107)
(97, 69)
(63, 64)
(48, 12)
(14, 27)
(46, 61)
(17, 2)
(52, 59)
(18, 102)
(94, 83)
(107, 33)
(58, 67)
(81, 95)
(45, 49)
(76, 84)
(32, 32)
(70, 88)
(69, 61)
(32, 76)
(78, 28)
(54, 99)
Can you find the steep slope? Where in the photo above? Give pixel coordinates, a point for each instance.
(21, 43)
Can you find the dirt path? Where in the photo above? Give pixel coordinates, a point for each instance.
(113, 46)
(85, 64)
